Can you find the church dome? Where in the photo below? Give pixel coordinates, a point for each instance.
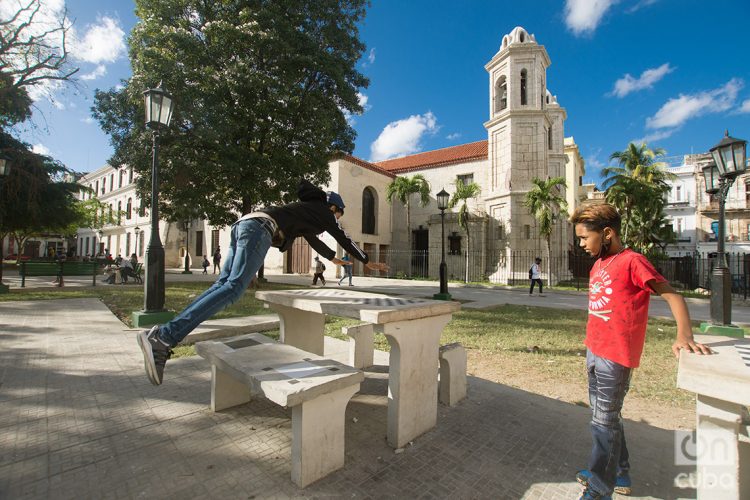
(518, 35)
(550, 99)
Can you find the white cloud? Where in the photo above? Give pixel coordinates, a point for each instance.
(453, 136)
(648, 78)
(371, 56)
(640, 5)
(40, 149)
(745, 108)
(363, 99)
(583, 16)
(99, 71)
(678, 110)
(87, 120)
(655, 136)
(402, 137)
(102, 42)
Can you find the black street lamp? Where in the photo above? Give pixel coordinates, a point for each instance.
(4, 171)
(158, 106)
(729, 162)
(442, 201)
(187, 246)
(101, 243)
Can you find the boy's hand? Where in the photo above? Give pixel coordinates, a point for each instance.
(690, 345)
(378, 266)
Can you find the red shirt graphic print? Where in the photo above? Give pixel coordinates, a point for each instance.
(618, 306)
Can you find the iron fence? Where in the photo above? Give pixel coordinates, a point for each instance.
(686, 272)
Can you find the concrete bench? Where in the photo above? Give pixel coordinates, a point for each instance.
(316, 389)
(452, 387)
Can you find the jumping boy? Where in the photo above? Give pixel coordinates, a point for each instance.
(620, 285)
(252, 236)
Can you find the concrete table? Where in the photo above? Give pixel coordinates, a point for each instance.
(412, 326)
(722, 384)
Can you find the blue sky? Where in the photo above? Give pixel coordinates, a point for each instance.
(673, 72)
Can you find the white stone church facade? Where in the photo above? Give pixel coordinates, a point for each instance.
(525, 140)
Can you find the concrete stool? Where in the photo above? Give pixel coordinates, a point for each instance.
(452, 387)
(361, 345)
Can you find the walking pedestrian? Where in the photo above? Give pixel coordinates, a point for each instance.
(217, 259)
(318, 268)
(252, 236)
(206, 263)
(346, 269)
(535, 275)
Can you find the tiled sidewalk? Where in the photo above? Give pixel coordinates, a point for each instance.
(78, 419)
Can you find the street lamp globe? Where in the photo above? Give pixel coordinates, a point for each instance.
(4, 165)
(711, 177)
(442, 199)
(730, 156)
(158, 106)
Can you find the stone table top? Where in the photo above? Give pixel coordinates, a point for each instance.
(370, 307)
(723, 375)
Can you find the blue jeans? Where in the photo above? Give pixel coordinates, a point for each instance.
(247, 250)
(608, 384)
(347, 274)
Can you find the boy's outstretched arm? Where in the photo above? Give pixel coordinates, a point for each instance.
(681, 315)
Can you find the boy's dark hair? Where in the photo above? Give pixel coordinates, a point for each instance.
(597, 217)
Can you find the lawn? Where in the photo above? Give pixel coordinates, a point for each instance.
(541, 342)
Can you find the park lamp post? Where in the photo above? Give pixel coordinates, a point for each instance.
(442, 202)
(4, 171)
(137, 232)
(729, 162)
(158, 106)
(187, 246)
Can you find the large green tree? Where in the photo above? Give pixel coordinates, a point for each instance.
(402, 189)
(545, 203)
(637, 187)
(464, 193)
(262, 90)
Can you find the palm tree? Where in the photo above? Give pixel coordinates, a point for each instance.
(636, 187)
(545, 203)
(402, 188)
(464, 192)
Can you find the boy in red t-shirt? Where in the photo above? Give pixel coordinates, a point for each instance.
(620, 285)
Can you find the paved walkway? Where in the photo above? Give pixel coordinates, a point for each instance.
(78, 419)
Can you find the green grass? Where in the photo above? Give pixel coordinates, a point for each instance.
(508, 333)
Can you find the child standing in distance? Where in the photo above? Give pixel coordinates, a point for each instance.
(620, 285)
(206, 263)
(535, 273)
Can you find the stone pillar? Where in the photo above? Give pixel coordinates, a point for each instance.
(361, 345)
(721, 472)
(227, 391)
(301, 329)
(452, 374)
(318, 435)
(412, 384)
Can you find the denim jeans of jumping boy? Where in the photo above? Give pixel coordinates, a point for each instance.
(249, 244)
(608, 384)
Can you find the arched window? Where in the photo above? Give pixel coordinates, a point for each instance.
(119, 212)
(111, 182)
(523, 86)
(130, 208)
(130, 175)
(549, 138)
(96, 191)
(122, 174)
(501, 94)
(369, 209)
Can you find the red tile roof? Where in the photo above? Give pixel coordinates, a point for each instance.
(363, 163)
(437, 158)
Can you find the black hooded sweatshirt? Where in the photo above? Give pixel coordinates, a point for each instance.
(310, 217)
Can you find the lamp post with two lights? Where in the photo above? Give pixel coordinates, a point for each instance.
(187, 246)
(729, 157)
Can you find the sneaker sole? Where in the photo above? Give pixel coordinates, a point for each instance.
(620, 490)
(148, 358)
